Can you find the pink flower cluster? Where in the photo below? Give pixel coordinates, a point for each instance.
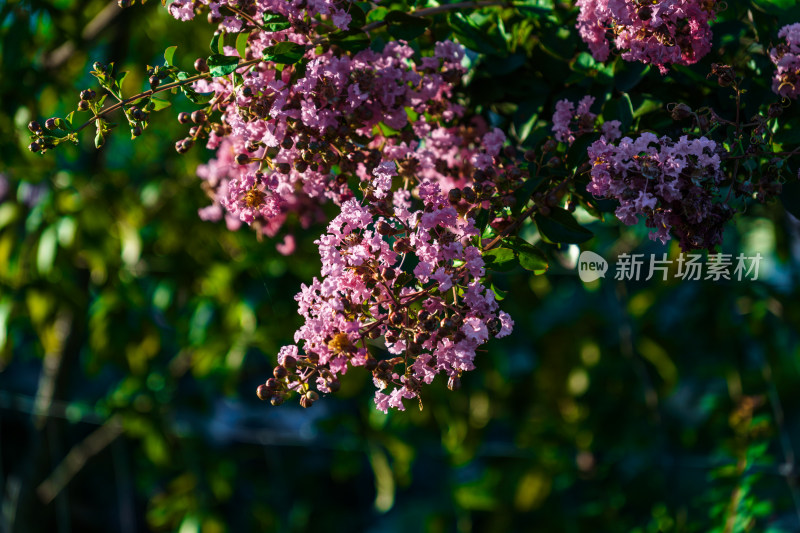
(671, 183)
(409, 275)
(660, 33)
(569, 123)
(291, 139)
(786, 57)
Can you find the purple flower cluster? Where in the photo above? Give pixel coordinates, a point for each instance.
(670, 183)
(570, 123)
(786, 57)
(411, 276)
(660, 33)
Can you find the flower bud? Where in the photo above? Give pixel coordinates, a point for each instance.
(454, 196)
(272, 384)
(371, 363)
(384, 228)
(290, 362)
(305, 403)
(280, 372)
(34, 126)
(469, 195)
(284, 168)
(287, 143)
(263, 393)
(50, 124)
(242, 159)
(681, 111)
(199, 116)
(153, 81)
(200, 65)
(83, 105)
(277, 399)
(183, 117)
(87, 94)
(775, 110)
(313, 396)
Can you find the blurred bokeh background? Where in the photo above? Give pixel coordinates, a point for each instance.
(133, 336)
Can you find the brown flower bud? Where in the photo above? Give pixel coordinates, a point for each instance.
(263, 393)
(242, 159)
(454, 196)
(681, 111)
(277, 399)
(469, 195)
(200, 65)
(290, 362)
(199, 116)
(280, 372)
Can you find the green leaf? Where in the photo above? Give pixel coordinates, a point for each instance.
(275, 22)
(285, 53)
(358, 18)
(169, 55)
(498, 294)
(561, 227)
(68, 119)
(241, 43)
(576, 154)
(473, 36)
(625, 110)
(215, 44)
(220, 65)
(46, 253)
(351, 41)
(159, 104)
(525, 192)
(500, 259)
(407, 27)
(529, 256)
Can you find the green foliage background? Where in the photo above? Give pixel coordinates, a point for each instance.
(133, 335)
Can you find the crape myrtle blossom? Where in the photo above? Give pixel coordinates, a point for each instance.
(670, 183)
(786, 57)
(432, 317)
(570, 122)
(660, 33)
(290, 139)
